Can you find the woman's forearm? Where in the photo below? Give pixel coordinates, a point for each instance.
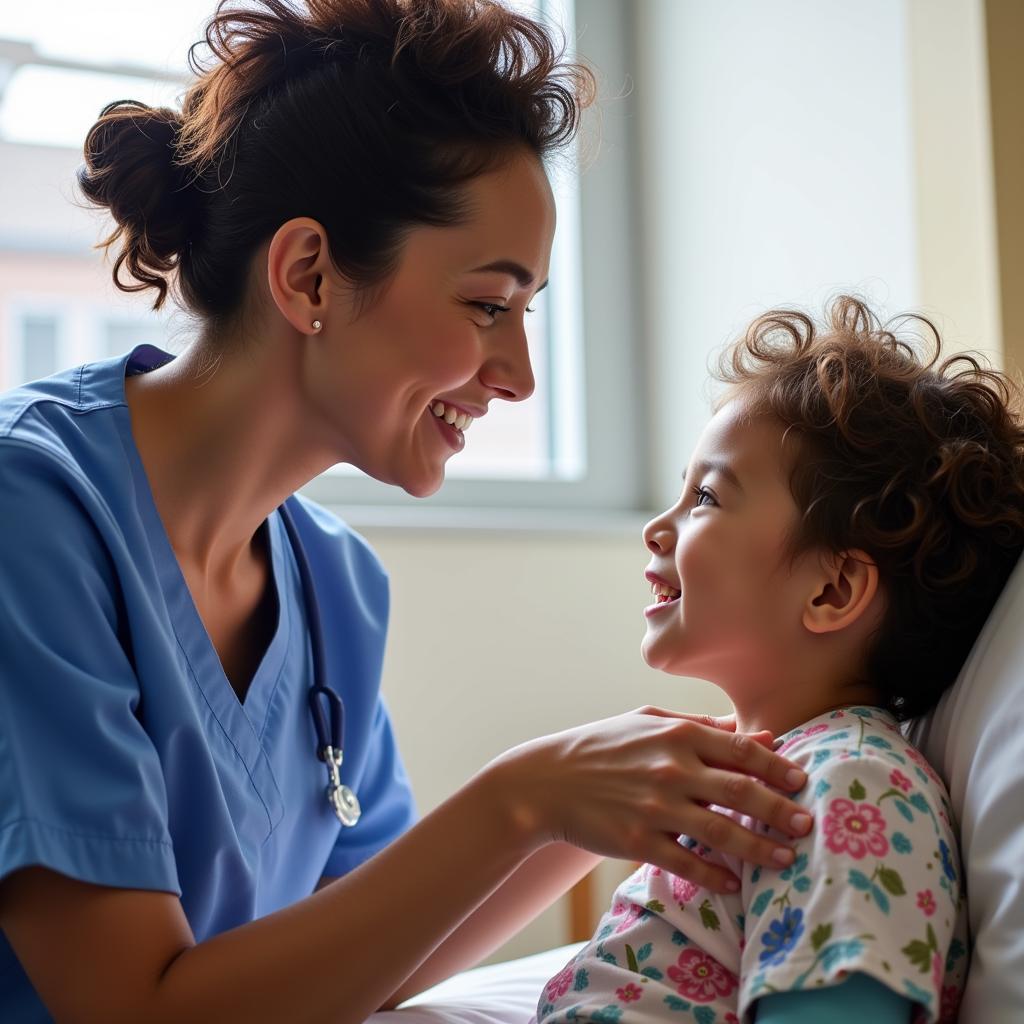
(338, 955)
(529, 890)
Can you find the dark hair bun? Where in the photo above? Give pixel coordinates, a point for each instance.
(131, 168)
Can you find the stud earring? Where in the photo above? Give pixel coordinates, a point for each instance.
(317, 325)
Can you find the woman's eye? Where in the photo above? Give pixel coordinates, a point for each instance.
(492, 309)
(702, 493)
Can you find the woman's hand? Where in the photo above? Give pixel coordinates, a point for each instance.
(628, 786)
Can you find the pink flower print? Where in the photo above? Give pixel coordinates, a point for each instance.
(949, 1005)
(683, 890)
(629, 993)
(856, 829)
(926, 901)
(631, 912)
(815, 729)
(937, 972)
(559, 984)
(731, 1018)
(899, 780)
(917, 758)
(701, 977)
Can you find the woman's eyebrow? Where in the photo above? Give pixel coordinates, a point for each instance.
(523, 276)
(717, 466)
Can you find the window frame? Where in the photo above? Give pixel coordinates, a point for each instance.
(612, 382)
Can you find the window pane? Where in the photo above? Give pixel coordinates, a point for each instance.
(80, 70)
(121, 336)
(38, 347)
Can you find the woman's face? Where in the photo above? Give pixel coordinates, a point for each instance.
(448, 328)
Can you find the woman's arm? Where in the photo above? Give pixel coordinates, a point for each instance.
(623, 787)
(858, 999)
(552, 871)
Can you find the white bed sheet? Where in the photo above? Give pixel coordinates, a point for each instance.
(504, 993)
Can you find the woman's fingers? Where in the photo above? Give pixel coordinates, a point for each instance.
(668, 855)
(748, 796)
(742, 753)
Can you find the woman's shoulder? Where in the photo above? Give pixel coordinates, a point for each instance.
(335, 550)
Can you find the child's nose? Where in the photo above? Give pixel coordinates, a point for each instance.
(659, 535)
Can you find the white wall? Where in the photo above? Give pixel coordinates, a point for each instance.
(777, 165)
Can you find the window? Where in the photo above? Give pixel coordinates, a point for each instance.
(572, 445)
(39, 352)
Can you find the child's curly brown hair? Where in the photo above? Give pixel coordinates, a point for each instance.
(918, 463)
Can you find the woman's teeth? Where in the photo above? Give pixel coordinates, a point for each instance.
(451, 416)
(664, 593)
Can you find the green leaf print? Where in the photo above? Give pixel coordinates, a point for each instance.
(644, 951)
(631, 959)
(708, 917)
(656, 906)
(857, 791)
(920, 953)
(820, 936)
(890, 878)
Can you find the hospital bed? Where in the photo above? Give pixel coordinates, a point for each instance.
(975, 738)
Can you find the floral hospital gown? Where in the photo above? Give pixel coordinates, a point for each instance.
(875, 888)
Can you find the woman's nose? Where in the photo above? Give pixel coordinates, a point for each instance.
(658, 534)
(508, 371)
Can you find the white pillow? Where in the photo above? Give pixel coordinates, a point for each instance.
(505, 993)
(975, 740)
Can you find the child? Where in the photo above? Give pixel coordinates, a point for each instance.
(848, 519)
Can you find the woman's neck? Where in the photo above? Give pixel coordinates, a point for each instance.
(221, 442)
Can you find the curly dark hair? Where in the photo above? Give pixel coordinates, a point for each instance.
(367, 115)
(918, 463)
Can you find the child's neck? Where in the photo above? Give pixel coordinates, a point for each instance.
(779, 713)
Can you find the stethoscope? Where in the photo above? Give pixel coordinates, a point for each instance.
(330, 728)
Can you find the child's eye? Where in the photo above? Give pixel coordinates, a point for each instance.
(701, 492)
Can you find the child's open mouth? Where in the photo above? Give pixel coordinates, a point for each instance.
(663, 595)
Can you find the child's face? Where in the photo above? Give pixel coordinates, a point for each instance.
(738, 616)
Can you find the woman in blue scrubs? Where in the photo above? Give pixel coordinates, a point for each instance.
(352, 204)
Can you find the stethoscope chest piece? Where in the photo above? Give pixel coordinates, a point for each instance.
(341, 798)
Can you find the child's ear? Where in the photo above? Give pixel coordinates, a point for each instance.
(848, 585)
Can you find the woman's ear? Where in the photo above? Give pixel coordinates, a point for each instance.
(298, 262)
(847, 588)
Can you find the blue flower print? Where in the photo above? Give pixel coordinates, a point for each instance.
(947, 861)
(782, 935)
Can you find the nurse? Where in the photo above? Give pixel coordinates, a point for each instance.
(352, 204)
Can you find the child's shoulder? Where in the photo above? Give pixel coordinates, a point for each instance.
(860, 741)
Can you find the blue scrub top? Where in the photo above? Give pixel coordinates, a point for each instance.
(126, 758)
